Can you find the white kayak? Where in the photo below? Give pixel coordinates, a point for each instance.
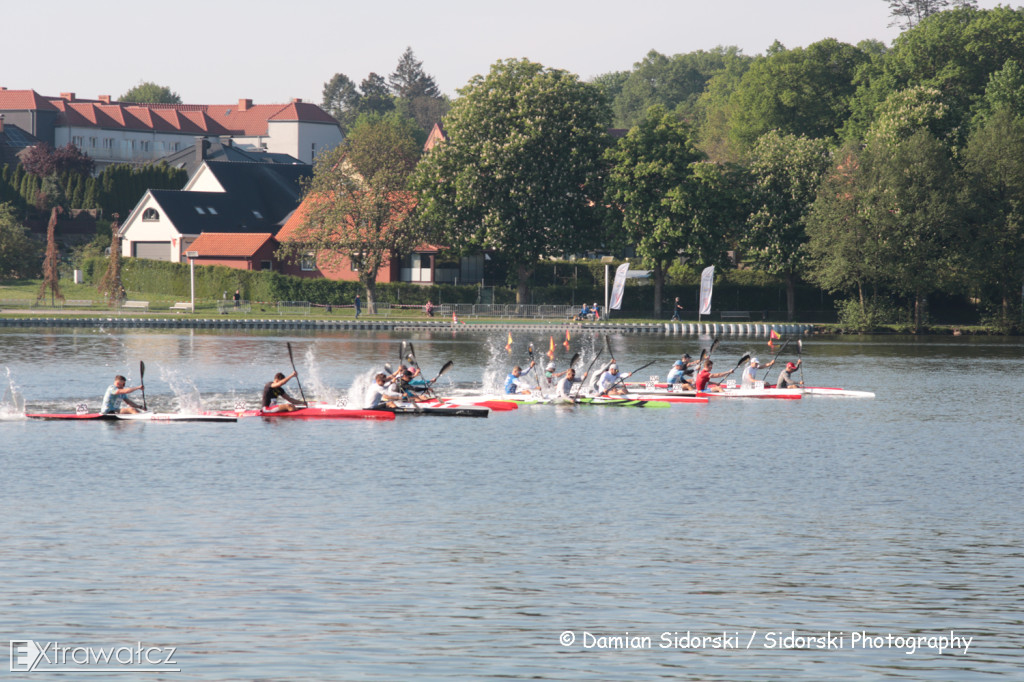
(837, 392)
(140, 417)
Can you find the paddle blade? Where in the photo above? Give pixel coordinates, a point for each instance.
(799, 346)
(444, 368)
(700, 360)
(746, 356)
(290, 356)
(142, 380)
(575, 359)
(714, 345)
(412, 353)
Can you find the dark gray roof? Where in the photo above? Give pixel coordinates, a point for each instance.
(218, 151)
(198, 212)
(275, 187)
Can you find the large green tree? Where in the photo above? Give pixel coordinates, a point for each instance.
(150, 93)
(786, 171)
(341, 100)
(803, 91)
(358, 204)
(994, 168)
(908, 13)
(520, 170)
(659, 190)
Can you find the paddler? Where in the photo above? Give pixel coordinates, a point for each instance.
(274, 390)
(408, 390)
(705, 376)
(749, 377)
(565, 384)
(679, 373)
(786, 376)
(606, 385)
(514, 381)
(379, 394)
(117, 393)
(551, 376)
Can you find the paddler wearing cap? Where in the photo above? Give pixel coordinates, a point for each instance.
(680, 371)
(749, 376)
(786, 375)
(551, 377)
(606, 384)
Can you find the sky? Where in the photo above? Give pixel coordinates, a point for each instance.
(220, 51)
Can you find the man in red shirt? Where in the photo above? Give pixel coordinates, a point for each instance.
(705, 375)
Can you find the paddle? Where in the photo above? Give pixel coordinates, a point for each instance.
(621, 376)
(444, 368)
(142, 381)
(774, 359)
(714, 345)
(292, 358)
(575, 359)
(800, 358)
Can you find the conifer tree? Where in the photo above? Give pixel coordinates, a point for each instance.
(51, 262)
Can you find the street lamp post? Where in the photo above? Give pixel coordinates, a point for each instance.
(192, 275)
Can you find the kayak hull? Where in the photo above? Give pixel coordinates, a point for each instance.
(140, 417)
(315, 412)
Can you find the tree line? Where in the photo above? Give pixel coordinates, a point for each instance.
(885, 175)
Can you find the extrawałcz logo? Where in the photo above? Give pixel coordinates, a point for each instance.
(30, 656)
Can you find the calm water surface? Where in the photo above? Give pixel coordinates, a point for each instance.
(468, 549)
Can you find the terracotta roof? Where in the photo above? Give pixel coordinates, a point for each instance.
(243, 118)
(232, 245)
(23, 99)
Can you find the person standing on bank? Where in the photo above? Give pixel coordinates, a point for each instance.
(237, 298)
(274, 390)
(116, 394)
(358, 306)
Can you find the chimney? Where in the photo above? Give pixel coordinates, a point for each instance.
(1, 123)
(296, 100)
(225, 140)
(105, 99)
(202, 144)
(244, 104)
(69, 96)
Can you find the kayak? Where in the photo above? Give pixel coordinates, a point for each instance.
(642, 391)
(611, 401)
(438, 411)
(837, 392)
(314, 412)
(141, 417)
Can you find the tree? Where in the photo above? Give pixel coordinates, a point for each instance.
(519, 172)
(908, 13)
(376, 97)
(785, 171)
(651, 186)
(42, 160)
(110, 284)
(804, 91)
(18, 251)
(341, 100)
(150, 93)
(51, 262)
(358, 204)
(409, 81)
(994, 170)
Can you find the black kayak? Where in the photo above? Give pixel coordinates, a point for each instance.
(454, 411)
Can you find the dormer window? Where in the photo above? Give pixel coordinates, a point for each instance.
(212, 210)
(200, 211)
(259, 216)
(151, 215)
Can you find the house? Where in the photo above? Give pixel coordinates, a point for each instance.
(124, 132)
(221, 197)
(190, 159)
(420, 266)
(241, 250)
(13, 141)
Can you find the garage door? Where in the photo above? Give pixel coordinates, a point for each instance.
(152, 250)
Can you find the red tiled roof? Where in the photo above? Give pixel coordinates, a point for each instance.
(243, 118)
(233, 245)
(23, 100)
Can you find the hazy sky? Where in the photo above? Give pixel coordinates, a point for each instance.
(219, 51)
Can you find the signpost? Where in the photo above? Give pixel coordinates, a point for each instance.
(192, 275)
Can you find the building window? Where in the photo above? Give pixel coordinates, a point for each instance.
(78, 141)
(266, 265)
(259, 216)
(108, 143)
(150, 214)
(92, 142)
(200, 211)
(212, 210)
(308, 263)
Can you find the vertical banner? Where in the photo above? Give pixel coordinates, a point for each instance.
(707, 279)
(618, 287)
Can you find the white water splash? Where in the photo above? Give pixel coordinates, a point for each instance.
(186, 393)
(12, 402)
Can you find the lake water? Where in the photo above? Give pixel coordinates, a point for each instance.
(551, 543)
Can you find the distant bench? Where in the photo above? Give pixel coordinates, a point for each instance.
(141, 305)
(77, 302)
(181, 305)
(735, 314)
